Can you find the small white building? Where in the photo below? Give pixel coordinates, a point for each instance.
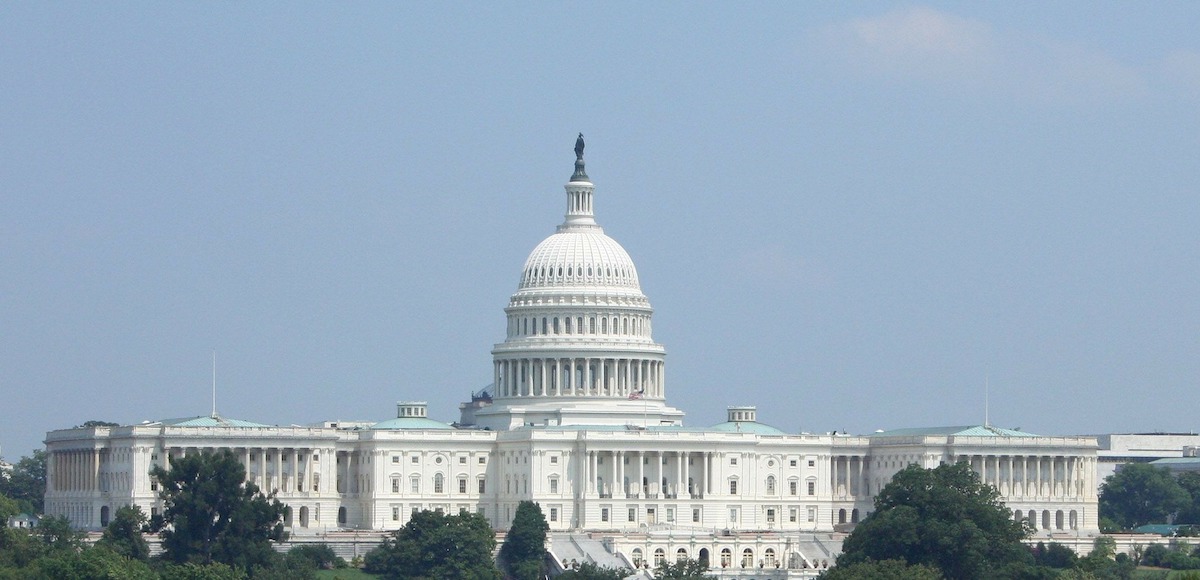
(577, 419)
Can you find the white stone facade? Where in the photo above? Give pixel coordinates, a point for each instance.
(577, 420)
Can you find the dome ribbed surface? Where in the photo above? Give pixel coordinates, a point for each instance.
(579, 258)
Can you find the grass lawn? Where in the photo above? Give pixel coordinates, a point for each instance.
(345, 574)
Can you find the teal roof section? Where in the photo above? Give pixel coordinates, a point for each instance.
(961, 431)
(1160, 529)
(409, 423)
(746, 427)
(208, 421)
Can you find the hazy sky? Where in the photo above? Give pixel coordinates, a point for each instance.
(852, 215)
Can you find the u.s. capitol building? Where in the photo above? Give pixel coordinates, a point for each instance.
(577, 419)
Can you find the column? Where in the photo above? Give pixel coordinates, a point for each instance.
(704, 473)
(641, 458)
(680, 480)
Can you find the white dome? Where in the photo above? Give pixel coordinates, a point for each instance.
(579, 258)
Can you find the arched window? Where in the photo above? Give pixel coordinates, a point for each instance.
(769, 558)
(567, 325)
(841, 516)
(747, 558)
(659, 556)
(770, 485)
(1045, 519)
(726, 557)
(543, 325)
(341, 515)
(637, 557)
(104, 516)
(1058, 520)
(555, 325)
(592, 325)
(681, 554)
(854, 516)
(1074, 520)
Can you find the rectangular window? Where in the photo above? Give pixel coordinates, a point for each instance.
(554, 459)
(395, 514)
(633, 514)
(416, 459)
(733, 487)
(792, 487)
(670, 514)
(554, 514)
(812, 514)
(395, 459)
(482, 486)
(812, 463)
(553, 486)
(792, 515)
(733, 515)
(482, 460)
(462, 460)
(415, 485)
(696, 515)
(733, 461)
(770, 515)
(812, 488)
(792, 463)
(395, 485)
(481, 511)
(462, 485)
(604, 514)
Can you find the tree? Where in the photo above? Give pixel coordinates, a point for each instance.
(1140, 494)
(95, 423)
(124, 534)
(685, 569)
(1190, 482)
(212, 514)
(524, 549)
(943, 518)
(590, 571)
(26, 483)
(885, 570)
(433, 546)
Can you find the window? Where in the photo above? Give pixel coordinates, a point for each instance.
(395, 485)
(415, 484)
(604, 514)
(696, 515)
(812, 463)
(726, 557)
(482, 460)
(733, 487)
(416, 459)
(317, 482)
(462, 460)
(747, 558)
(792, 463)
(793, 487)
(554, 459)
(770, 485)
(733, 461)
(395, 514)
(670, 514)
(462, 485)
(554, 514)
(733, 515)
(439, 483)
(482, 486)
(769, 558)
(793, 515)
(637, 553)
(770, 515)
(553, 486)
(812, 514)
(659, 556)
(681, 554)
(481, 511)
(633, 514)
(153, 484)
(395, 459)
(812, 488)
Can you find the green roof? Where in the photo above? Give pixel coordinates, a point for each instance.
(746, 427)
(208, 421)
(409, 423)
(962, 431)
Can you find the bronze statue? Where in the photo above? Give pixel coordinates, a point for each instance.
(579, 147)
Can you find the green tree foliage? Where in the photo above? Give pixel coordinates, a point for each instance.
(524, 549)
(319, 557)
(590, 571)
(124, 534)
(213, 515)
(196, 571)
(885, 570)
(1055, 555)
(433, 546)
(1190, 482)
(26, 483)
(685, 569)
(95, 423)
(1140, 494)
(943, 518)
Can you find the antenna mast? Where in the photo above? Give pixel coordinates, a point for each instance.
(214, 385)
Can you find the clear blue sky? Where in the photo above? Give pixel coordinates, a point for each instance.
(849, 214)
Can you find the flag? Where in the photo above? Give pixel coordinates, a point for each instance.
(636, 395)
